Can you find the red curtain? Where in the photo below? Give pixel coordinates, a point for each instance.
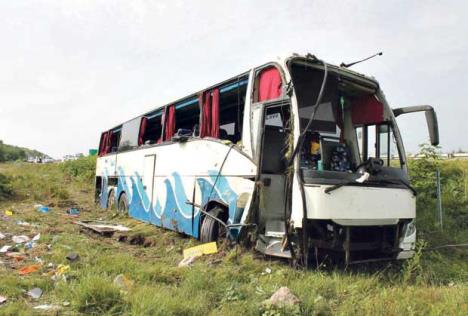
(215, 114)
(109, 142)
(103, 144)
(170, 123)
(367, 110)
(141, 136)
(210, 114)
(205, 128)
(269, 84)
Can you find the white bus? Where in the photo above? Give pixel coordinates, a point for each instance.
(300, 156)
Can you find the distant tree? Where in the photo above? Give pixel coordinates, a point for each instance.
(429, 151)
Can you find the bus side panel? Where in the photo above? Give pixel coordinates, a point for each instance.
(130, 181)
(183, 172)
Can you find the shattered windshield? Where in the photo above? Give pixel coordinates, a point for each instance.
(349, 126)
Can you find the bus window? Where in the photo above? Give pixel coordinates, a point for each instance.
(129, 134)
(231, 104)
(151, 129)
(187, 116)
(113, 140)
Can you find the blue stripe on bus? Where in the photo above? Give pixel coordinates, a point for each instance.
(186, 103)
(232, 86)
(176, 214)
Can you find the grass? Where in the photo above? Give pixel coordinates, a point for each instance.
(232, 282)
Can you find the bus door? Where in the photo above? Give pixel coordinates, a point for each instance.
(148, 178)
(272, 176)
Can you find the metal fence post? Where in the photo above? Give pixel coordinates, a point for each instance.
(439, 198)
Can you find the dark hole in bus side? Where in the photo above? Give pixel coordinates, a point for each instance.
(115, 139)
(187, 117)
(153, 131)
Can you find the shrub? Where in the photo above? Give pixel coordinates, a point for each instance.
(5, 187)
(83, 169)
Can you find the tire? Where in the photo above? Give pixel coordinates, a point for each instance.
(111, 200)
(212, 230)
(123, 204)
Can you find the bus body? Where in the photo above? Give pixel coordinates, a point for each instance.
(303, 157)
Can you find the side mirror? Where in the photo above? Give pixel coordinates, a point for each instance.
(431, 119)
(182, 135)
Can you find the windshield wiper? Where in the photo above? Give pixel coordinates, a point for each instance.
(400, 181)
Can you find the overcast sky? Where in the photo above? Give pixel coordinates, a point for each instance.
(70, 69)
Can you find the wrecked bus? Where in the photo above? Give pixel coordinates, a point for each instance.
(302, 157)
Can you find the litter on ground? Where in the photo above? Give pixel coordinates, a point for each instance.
(73, 211)
(123, 282)
(29, 269)
(73, 256)
(187, 262)
(43, 209)
(35, 293)
(3, 299)
(9, 213)
(106, 229)
(4, 249)
(47, 307)
(2, 236)
(203, 249)
(20, 239)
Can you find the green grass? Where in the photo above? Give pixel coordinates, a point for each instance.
(232, 282)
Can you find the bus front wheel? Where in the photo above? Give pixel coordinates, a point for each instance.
(211, 229)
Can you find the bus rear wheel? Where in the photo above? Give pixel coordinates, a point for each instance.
(211, 229)
(111, 200)
(123, 204)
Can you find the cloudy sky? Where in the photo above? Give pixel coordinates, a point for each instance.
(70, 69)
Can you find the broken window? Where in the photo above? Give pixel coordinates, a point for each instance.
(231, 104)
(113, 140)
(151, 128)
(129, 134)
(187, 116)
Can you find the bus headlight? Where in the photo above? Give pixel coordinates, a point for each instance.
(409, 229)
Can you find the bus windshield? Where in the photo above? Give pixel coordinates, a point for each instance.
(349, 128)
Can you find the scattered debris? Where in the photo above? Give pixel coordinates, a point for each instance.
(15, 255)
(283, 297)
(2, 236)
(4, 249)
(9, 213)
(62, 269)
(203, 249)
(73, 256)
(123, 282)
(29, 269)
(35, 293)
(3, 299)
(43, 209)
(267, 271)
(73, 211)
(25, 224)
(105, 229)
(47, 307)
(66, 303)
(187, 261)
(20, 239)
